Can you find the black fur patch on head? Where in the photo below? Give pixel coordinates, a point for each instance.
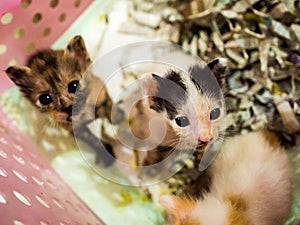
(196, 72)
(171, 93)
(175, 77)
(204, 79)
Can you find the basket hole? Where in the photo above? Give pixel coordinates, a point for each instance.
(22, 198)
(26, 3)
(44, 223)
(54, 3)
(77, 3)
(7, 18)
(83, 209)
(58, 203)
(72, 205)
(40, 200)
(51, 184)
(32, 155)
(34, 166)
(3, 154)
(12, 62)
(2, 199)
(62, 17)
(30, 47)
(3, 49)
(37, 17)
(19, 159)
(40, 183)
(18, 147)
(17, 222)
(3, 141)
(19, 33)
(46, 31)
(3, 172)
(20, 176)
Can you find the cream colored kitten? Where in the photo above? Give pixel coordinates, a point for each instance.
(250, 185)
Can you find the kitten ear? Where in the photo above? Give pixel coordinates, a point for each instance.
(218, 67)
(77, 47)
(149, 86)
(19, 74)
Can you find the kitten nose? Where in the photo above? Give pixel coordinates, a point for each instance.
(68, 110)
(204, 136)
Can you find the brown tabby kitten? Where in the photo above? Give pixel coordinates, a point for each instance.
(50, 80)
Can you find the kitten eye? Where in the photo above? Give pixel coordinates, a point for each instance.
(45, 99)
(215, 113)
(182, 121)
(73, 86)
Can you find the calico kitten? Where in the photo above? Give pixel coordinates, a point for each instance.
(189, 104)
(50, 80)
(250, 184)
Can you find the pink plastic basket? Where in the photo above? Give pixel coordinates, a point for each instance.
(32, 24)
(31, 192)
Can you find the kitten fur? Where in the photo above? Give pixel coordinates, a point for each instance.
(175, 95)
(250, 184)
(49, 75)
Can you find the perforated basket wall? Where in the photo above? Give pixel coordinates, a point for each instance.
(32, 24)
(31, 192)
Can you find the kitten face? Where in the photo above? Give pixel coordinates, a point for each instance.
(198, 119)
(190, 102)
(51, 79)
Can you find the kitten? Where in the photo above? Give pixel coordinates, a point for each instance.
(250, 184)
(187, 107)
(50, 80)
